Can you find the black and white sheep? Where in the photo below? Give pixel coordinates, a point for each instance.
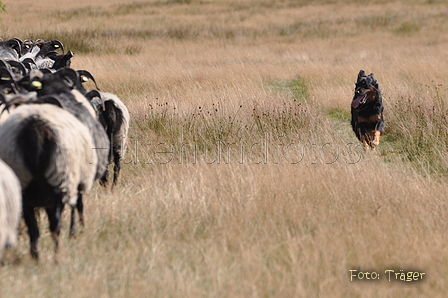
(42, 54)
(39, 49)
(50, 151)
(115, 119)
(61, 84)
(114, 116)
(10, 49)
(10, 207)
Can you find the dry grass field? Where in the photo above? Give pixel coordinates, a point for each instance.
(243, 177)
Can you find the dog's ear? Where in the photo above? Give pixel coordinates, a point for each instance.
(374, 82)
(361, 74)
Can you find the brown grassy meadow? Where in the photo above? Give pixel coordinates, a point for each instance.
(243, 177)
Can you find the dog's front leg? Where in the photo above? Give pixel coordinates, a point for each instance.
(376, 138)
(377, 132)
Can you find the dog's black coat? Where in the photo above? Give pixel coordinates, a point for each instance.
(367, 110)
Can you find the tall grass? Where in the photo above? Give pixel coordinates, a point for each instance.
(418, 128)
(243, 177)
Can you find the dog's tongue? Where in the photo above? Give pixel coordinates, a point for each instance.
(356, 101)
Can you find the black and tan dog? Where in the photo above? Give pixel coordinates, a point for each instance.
(367, 111)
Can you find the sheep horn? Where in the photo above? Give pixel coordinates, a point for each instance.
(50, 99)
(18, 65)
(18, 40)
(28, 62)
(68, 74)
(4, 64)
(92, 94)
(18, 99)
(5, 74)
(7, 78)
(57, 44)
(84, 74)
(39, 42)
(95, 103)
(15, 43)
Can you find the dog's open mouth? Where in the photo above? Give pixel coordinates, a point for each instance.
(359, 100)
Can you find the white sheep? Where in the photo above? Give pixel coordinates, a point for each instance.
(10, 207)
(52, 154)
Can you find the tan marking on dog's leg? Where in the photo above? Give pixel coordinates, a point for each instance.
(376, 138)
(365, 143)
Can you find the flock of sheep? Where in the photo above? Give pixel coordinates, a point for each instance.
(56, 137)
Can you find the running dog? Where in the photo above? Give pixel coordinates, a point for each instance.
(367, 111)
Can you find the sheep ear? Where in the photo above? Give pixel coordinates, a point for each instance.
(95, 100)
(60, 60)
(36, 73)
(34, 80)
(85, 76)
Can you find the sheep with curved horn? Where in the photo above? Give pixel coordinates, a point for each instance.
(10, 49)
(61, 84)
(51, 153)
(114, 116)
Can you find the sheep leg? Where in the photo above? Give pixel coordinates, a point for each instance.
(80, 207)
(117, 167)
(104, 180)
(54, 216)
(33, 230)
(72, 223)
